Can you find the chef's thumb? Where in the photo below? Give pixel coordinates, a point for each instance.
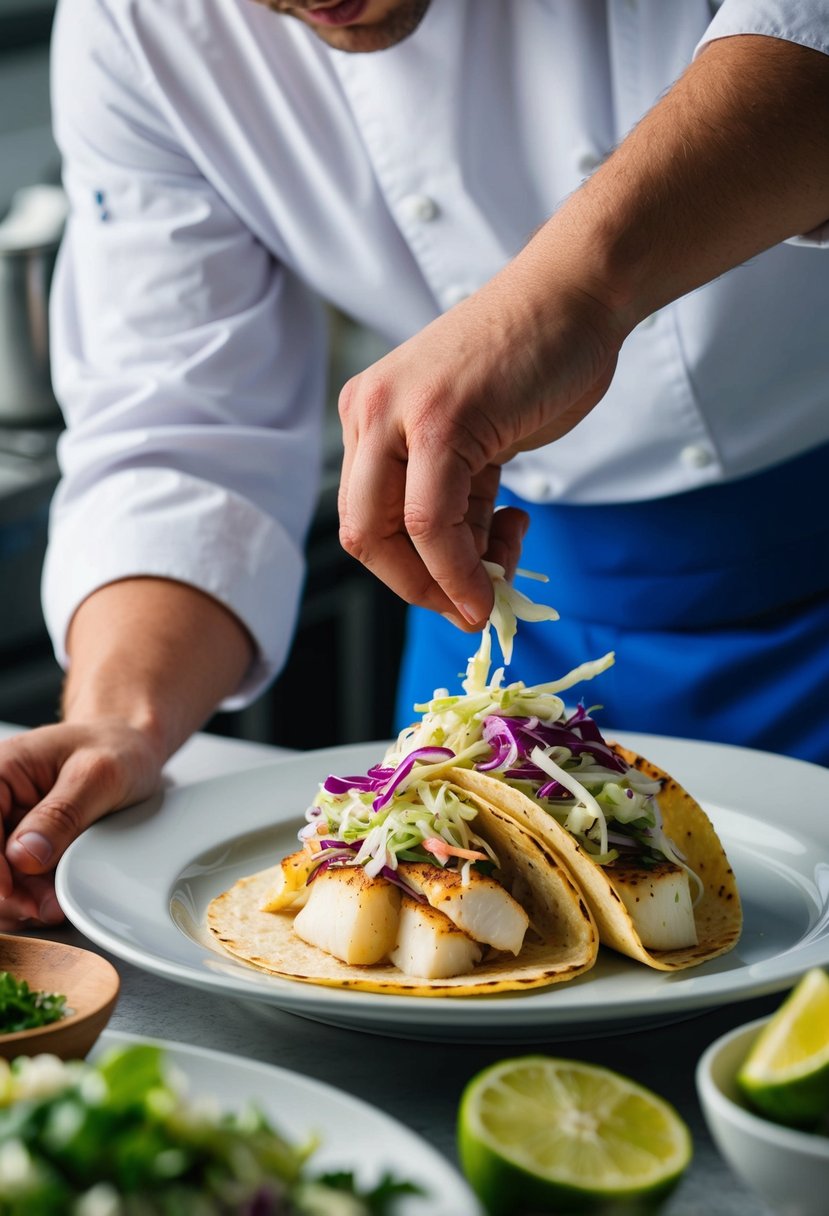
(46, 831)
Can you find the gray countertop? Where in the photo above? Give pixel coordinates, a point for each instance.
(663, 1058)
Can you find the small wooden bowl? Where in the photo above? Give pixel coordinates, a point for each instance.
(89, 983)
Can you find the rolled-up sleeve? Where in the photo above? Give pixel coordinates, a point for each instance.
(805, 22)
(189, 365)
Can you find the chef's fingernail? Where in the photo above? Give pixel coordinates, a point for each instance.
(37, 846)
(471, 615)
(50, 910)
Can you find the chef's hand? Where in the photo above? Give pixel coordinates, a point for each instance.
(54, 782)
(427, 429)
(150, 659)
(720, 169)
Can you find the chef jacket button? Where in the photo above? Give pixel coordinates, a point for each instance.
(419, 207)
(696, 456)
(454, 295)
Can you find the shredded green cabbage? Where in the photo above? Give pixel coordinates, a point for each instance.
(424, 809)
(601, 799)
(511, 606)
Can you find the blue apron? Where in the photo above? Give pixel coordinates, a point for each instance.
(715, 601)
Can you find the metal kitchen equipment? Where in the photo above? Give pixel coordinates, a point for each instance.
(29, 239)
(30, 679)
(30, 423)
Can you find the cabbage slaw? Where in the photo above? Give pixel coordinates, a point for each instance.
(401, 810)
(393, 814)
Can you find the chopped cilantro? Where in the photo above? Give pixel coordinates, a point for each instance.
(23, 1009)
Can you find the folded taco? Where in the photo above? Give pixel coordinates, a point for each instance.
(645, 854)
(659, 885)
(407, 884)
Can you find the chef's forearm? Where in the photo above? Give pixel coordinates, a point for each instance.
(734, 159)
(154, 653)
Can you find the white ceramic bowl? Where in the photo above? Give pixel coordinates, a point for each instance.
(789, 1169)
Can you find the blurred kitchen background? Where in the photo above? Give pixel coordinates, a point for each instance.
(339, 684)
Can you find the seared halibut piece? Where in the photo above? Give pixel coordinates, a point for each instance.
(429, 945)
(350, 915)
(482, 909)
(658, 898)
(290, 887)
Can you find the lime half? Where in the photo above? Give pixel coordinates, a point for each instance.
(786, 1073)
(537, 1134)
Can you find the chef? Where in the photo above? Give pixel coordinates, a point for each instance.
(587, 228)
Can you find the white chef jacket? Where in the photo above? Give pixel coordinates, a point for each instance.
(226, 169)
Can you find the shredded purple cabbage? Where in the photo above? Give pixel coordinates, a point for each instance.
(383, 781)
(392, 876)
(513, 739)
(373, 780)
(403, 769)
(332, 853)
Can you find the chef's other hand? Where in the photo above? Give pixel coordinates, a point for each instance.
(427, 428)
(54, 782)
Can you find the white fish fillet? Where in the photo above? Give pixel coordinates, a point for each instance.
(350, 915)
(429, 945)
(658, 898)
(482, 909)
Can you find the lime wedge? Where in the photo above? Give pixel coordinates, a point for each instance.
(786, 1073)
(538, 1134)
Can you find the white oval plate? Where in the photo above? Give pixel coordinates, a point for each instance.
(138, 883)
(352, 1135)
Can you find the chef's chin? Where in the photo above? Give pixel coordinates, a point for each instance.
(358, 26)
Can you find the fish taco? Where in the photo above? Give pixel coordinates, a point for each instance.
(405, 883)
(664, 892)
(652, 868)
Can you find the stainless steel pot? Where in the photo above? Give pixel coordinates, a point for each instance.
(29, 241)
(26, 396)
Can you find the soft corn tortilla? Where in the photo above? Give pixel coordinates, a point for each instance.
(561, 942)
(718, 914)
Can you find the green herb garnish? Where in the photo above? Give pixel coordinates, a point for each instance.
(23, 1009)
(378, 1200)
(124, 1136)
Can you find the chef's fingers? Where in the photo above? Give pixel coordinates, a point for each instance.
(6, 876)
(345, 473)
(447, 510)
(506, 536)
(88, 785)
(480, 507)
(14, 784)
(13, 921)
(41, 888)
(20, 906)
(373, 527)
(33, 902)
(372, 497)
